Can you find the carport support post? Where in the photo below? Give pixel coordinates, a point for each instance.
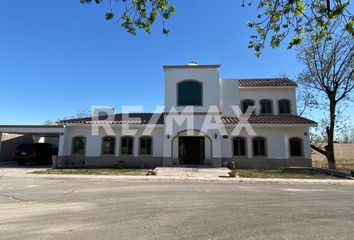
(60, 150)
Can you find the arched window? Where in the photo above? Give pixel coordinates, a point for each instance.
(239, 146)
(284, 106)
(189, 93)
(247, 103)
(266, 106)
(108, 145)
(259, 146)
(78, 145)
(126, 146)
(145, 145)
(295, 147)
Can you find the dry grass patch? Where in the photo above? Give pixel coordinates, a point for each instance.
(344, 165)
(94, 171)
(282, 173)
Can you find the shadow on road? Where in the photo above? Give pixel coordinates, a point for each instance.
(13, 164)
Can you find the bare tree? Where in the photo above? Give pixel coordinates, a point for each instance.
(328, 71)
(83, 113)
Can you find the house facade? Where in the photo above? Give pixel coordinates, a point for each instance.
(207, 120)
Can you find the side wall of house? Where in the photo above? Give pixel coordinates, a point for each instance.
(229, 96)
(274, 94)
(93, 151)
(209, 77)
(277, 148)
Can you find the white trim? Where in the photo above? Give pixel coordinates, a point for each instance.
(24, 129)
(113, 125)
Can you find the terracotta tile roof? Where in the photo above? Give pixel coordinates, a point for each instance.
(266, 82)
(269, 119)
(143, 118)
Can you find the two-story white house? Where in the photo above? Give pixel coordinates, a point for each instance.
(202, 124)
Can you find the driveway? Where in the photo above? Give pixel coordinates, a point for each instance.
(193, 172)
(41, 208)
(12, 169)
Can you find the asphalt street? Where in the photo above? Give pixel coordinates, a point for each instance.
(55, 208)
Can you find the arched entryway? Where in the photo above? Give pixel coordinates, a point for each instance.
(192, 147)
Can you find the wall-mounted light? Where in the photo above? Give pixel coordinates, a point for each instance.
(215, 136)
(305, 133)
(168, 136)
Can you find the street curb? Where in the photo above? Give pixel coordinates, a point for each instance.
(186, 180)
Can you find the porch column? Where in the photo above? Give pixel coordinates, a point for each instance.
(249, 147)
(61, 144)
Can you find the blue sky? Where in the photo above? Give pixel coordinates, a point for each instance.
(57, 57)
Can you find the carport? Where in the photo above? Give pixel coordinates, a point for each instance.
(38, 133)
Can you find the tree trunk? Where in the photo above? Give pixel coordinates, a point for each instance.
(331, 160)
(330, 134)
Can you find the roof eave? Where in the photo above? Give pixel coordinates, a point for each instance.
(262, 87)
(281, 125)
(191, 66)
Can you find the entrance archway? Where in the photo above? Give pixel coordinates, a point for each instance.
(192, 147)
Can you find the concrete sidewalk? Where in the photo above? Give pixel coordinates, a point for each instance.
(208, 175)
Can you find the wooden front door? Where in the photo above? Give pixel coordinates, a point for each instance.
(191, 150)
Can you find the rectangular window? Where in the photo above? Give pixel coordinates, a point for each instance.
(108, 146)
(266, 107)
(78, 145)
(146, 146)
(284, 107)
(189, 93)
(127, 146)
(239, 147)
(259, 147)
(246, 104)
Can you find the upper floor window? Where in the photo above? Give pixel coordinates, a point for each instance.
(126, 147)
(145, 145)
(246, 104)
(266, 106)
(284, 106)
(239, 146)
(259, 146)
(189, 93)
(79, 145)
(295, 147)
(108, 145)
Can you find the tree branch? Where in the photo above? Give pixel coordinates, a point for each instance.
(319, 150)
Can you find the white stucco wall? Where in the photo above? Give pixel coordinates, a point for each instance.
(94, 143)
(274, 94)
(277, 146)
(209, 78)
(229, 96)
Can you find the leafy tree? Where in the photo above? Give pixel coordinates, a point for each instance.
(141, 14)
(297, 19)
(328, 71)
(276, 20)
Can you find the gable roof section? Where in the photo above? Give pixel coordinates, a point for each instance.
(266, 82)
(268, 119)
(145, 119)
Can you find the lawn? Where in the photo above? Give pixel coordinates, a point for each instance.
(282, 173)
(345, 165)
(94, 171)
